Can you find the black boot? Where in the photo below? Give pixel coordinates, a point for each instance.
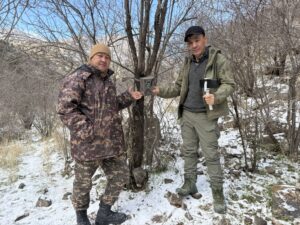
(82, 218)
(105, 216)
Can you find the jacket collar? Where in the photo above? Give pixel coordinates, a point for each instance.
(89, 70)
(212, 54)
(202, 57)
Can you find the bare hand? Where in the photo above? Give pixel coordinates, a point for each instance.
(209, 99)
(155, 90)
(136, 95)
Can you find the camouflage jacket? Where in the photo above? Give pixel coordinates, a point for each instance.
(89, 107)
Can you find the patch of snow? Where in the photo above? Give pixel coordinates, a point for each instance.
(39, 171)
(288, 207)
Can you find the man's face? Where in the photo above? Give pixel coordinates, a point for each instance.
(196, 44)
(101, 61)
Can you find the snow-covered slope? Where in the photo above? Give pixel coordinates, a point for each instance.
(41, 166)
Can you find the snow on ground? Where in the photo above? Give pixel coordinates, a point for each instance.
(41, 166)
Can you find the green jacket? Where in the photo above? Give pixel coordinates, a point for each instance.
(217, 68)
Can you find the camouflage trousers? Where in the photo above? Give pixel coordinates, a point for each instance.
(197, 130)
(116, 172)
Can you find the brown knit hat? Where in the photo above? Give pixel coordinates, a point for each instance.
(99, 48)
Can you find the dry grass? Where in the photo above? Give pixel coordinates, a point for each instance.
(61, 142)
(9, 155)
(46, 156)
(57, 142)
(9, 160)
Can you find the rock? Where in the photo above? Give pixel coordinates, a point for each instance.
(140, 176)
(21, 217)
(277, 222)
(250, 175)
(238, 188)
(93, 215)
(200, 156)
(228, 124)
(66, 196)
(96, 177)
(297, 221)
(259, 221)
(43, 191)
(168, 181)
(21, 186)
(270, 170)
(200, 172)
(197, 195)
(285, 202)
(267, 142)
(278, 173)
(235, 173)
(220, 220)
(158, 219)
(298, 186)
(184, 206)
(248, 221)
(230, 155)
(258, 197)
(224, 221)
(234, 196)
(234, 163)
(43, 202)
(275, 126)
(206, 207)
(188, 216)
(174, 146)
(174, 199)
(237, 167)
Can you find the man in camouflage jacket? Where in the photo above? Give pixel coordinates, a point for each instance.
(89, 107)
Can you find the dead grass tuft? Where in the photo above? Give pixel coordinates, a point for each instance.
(61, 141)
(9, 155)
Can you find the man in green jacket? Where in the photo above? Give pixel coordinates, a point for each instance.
(199, 111)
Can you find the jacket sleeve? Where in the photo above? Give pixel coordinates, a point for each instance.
(68, 101)
(174, 90)
(224, 73)
(124, 100)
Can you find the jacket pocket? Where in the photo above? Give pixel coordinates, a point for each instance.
(85, 133)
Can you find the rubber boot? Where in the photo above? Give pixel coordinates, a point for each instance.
(82, 218)
(219, 200)
(105, 216)
(189, 187)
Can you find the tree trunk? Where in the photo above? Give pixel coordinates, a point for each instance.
(138, 133)
(292, 117)
(238, 120)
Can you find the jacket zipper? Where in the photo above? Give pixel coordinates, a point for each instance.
(102, 103)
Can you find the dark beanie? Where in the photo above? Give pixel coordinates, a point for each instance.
(192, 31)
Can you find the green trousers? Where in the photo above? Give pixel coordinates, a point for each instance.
(197, 130)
